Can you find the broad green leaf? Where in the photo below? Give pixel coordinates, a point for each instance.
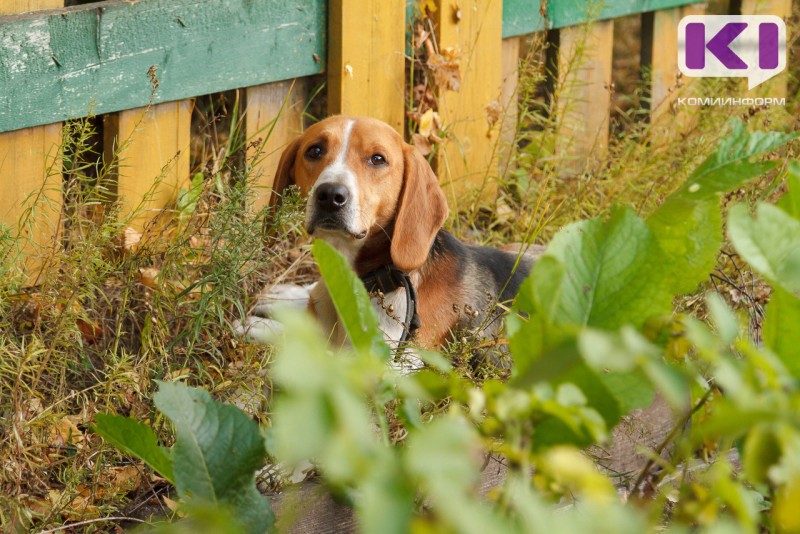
(730, 166)
(688, 226)
(351, 301)
(762, 450)
(321, 410)
(689, 233)
(137, 439)
(216, 454)
(770, 243)
(790, 202)
(781, 329)
(387, 497)
(723, 318)
(441, 456)
(614, 274)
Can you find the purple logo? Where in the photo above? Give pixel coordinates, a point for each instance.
(751, 46)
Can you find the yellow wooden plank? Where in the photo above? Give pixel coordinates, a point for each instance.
(366, 59)
(30, 173)
(777, 86)
(664, 62)
(473, 30)
(666, 82)
(584, 99)
(152, 147)
(273, 118)
(509, 101)
(10, 7)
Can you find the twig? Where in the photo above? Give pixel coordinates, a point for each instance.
(90, 521)
(674, 432)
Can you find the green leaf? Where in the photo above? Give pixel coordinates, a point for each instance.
(770, 243)
(137, 439)
(614, 274)
(216, 454)
(729, 166)
(781, 329)
(351, 301)
(762, 450)
(689, 233)
(688, 226)
(790, 202)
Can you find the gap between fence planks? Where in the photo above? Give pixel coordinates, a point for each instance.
(151, 146)
(30, 164)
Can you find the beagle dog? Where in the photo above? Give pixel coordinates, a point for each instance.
(377, 201)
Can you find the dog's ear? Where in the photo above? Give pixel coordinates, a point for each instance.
(421, 212)
(284, 176)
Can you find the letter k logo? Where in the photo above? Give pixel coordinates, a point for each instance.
(719, 45)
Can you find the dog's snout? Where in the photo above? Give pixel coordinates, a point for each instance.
(332, 196)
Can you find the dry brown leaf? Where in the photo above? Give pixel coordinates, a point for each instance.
(422, 144)
(446, 69)
(494, 112)
(121, 479)
(131, 239)
(148, 276)
(65, 433)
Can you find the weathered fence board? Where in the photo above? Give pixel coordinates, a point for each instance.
(525, 16)
(273, 118)
(54, 66)
(472, 29)
(29, 157)
(366, 74)
(584, 72)
(152, 146)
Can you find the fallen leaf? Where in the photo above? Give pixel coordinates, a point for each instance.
(445, 69)
(426, 5)
(148, 276)
(66, 434)
(130, 239)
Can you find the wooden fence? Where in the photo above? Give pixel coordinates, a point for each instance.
(58, 63)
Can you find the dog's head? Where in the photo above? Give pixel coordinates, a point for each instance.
(361, 180)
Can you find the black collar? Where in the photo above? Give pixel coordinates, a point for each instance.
(387, 279)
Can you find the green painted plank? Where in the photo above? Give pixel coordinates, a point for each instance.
(61, 64)
(523, 16)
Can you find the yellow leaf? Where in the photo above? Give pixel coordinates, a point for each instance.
(429, 5)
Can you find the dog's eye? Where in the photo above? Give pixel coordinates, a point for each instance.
(377, 160)
(314, 152)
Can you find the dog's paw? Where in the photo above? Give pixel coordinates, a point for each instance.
(259, 326)
(290, 295)
(258, 329)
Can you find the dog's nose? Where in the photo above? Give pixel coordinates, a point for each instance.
(332, 197)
